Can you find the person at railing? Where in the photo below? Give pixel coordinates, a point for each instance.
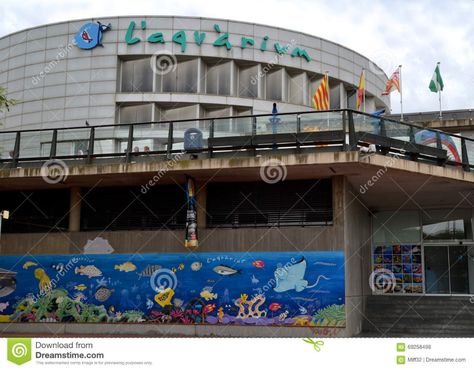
(146, 149)
(136, 149)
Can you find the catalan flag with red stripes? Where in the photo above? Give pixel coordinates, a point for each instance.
(361, 91)
(321, 96)
(393, 83)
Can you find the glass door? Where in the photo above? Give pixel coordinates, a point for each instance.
(436, 270)
(449, 269)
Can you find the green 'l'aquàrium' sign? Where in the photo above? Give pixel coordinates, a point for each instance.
(222, 40)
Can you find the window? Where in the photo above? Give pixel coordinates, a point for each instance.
(335, 96)
(183, 78)
(248, 81)
(178, 113)
(129, 209)
(396, 227)
(447, 224)
(253, 204)
(36, 211)
(218, 78)
(296, 86)
(273, 84)
(137, 76)
(136, 113)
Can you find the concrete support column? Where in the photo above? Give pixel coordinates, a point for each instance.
(201, 198)
(75, 209)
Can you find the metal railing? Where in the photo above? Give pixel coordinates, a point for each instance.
(333, 130)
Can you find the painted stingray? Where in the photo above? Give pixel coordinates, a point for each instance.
(292, 277)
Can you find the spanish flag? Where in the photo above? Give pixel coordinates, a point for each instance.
(321, 96)
(361, 90)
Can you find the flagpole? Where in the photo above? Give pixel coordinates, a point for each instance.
(326, 73)
(401, 94)
(439, 94)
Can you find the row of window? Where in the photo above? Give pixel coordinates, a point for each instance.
(223, 77)
(296, 203)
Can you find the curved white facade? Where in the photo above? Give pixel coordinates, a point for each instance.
(58, 84)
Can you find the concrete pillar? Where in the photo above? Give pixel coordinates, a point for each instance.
(201, 198)
(75, 209)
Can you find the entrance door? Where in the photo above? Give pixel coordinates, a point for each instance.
(436, 270)
(449, 269)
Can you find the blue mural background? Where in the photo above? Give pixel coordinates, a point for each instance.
(273, 288)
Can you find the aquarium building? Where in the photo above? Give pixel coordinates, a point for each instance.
(148, 180)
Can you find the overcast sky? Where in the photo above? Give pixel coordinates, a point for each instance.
(415, 34)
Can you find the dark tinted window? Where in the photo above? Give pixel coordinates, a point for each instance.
(35, 211)
(261, 204)
(129, 209)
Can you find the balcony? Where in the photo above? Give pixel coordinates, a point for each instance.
(256, 135)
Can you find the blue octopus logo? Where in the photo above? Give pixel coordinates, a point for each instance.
(90, 35)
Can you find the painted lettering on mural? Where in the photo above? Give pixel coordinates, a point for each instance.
(281, 288)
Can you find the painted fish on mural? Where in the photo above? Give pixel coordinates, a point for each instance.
(274, 306)
(90, 271)
(207, 294)
(254, 280)
(149, 270)
(80, 287)
(258, 264)
(164, 298)
(103, 293)
(149, 303)
(28, 264)
(292, 277)
(126, 267)
(181, 266)
(3, 306)
(225, 270)
(208, 308)
(196, 266)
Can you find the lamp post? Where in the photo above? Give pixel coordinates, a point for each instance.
(3, 215)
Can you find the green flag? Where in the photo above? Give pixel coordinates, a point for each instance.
(436, 83)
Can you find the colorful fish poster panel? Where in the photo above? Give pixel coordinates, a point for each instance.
(403, 268)
(201, 288)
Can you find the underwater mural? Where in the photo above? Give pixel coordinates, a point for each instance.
(261, 288)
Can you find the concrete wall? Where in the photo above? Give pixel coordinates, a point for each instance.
(58, 84)
(355, 218)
